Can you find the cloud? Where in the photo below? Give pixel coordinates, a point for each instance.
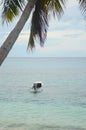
(59, 25)
(66, 37)
(23, 38)
(64, 33)
(54, 36)
(65, 48)
(71, 3)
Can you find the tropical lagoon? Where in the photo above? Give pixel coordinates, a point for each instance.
(60, 106)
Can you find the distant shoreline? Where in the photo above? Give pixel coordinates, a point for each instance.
(44, 57)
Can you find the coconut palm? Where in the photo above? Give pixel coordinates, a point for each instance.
(7, 15)
(11, 8)
(39, 23)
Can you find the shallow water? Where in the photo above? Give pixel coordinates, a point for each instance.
(60, 106)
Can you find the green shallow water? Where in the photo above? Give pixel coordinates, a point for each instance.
(60, 106)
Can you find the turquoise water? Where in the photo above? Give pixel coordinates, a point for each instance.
(60, 106)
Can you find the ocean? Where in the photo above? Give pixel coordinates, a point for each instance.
(61, 105)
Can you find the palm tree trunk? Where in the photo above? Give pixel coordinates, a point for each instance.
(11, 39)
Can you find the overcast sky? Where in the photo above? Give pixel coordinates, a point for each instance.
(66, 37)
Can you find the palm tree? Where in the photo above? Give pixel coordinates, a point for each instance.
(39, 23)
(10, 10)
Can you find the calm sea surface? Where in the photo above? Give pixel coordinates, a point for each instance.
(60, 106)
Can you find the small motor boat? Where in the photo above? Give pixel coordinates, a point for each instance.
(37, 86)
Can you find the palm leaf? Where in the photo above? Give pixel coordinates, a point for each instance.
(11, 9)
(56, 7)
(83, 5)
(39, 24)
(40, 19)
(31, 41)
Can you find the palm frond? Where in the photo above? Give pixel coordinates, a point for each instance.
(39, 24)
(56, 7)
(82, 5)
(40, 18)
(31, 43)
(11, 9)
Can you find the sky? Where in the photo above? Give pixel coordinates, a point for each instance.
(66, 37)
